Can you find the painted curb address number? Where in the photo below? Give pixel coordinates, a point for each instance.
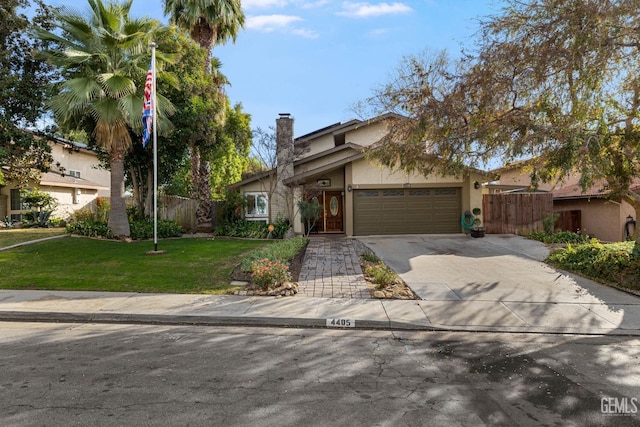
(341, 323)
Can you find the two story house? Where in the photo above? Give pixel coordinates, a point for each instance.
(75, 180)
(357, 197)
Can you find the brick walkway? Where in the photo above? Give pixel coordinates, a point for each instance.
(331, 269)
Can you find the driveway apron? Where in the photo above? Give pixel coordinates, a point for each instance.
(499, 279)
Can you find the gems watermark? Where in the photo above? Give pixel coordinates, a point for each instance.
(619, 406)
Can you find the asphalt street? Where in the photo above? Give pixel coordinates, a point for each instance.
(88, 374)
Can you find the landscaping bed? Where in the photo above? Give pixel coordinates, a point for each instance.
(286, 255)
(382, 282)
(615, 264)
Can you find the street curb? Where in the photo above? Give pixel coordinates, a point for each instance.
(160, 319)
(222, 321)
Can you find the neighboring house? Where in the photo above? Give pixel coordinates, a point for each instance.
(357, 197)
(590, 212)
(75, 181)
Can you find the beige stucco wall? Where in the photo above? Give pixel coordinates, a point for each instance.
(263, 185)
(366, 135)
(605, 219)
(308, 168)
(363, 134)
(64, 198)
(520, 177)
(471, 196)
(64, 161)
(84, 161)
(320, 144)
(66, 205)
(336, 176)
(368, 175)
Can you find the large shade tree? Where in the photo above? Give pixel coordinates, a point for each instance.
(23, 90)
(102, 54)
(209, 22)
(552, 79)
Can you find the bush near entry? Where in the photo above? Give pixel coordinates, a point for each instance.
(253, 229)
(268, 274)
(617, 263)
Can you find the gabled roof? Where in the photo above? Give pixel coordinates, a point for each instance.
(597, 190)
(342, 128)
(54, 179)
(351, 153)
(255, 177)
(325, 130)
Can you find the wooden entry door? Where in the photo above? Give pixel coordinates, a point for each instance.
(331, 212)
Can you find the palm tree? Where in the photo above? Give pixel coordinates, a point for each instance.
(101, 56)
(209, 22)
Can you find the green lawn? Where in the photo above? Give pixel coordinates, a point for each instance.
(12, 236)
(188, 266)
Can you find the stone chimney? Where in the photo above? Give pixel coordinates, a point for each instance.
(283, 197)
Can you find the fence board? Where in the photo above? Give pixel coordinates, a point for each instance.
(182, 210)
(515, 213)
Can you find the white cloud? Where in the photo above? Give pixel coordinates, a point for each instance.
(366, 10)
(257, 4)
(314, 4)
(270, 22)
(306, 33)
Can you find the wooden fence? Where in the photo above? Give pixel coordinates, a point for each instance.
(182, 210)
(515, 213)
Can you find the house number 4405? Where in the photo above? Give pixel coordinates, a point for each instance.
(341, 323)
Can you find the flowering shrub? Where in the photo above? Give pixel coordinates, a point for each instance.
(266, 274)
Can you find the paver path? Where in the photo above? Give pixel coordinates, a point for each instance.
(331, 269)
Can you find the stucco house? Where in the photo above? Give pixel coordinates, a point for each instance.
(75, 181)
(357, 197)
(590, 211)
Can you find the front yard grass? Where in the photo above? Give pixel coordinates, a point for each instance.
(13, 236)
(190, 265)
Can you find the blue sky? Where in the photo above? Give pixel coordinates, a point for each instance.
(316, 58)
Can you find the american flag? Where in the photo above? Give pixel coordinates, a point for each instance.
(147, 111)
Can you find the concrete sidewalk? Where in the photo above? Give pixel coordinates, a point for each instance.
(493, 284)
(133, 308)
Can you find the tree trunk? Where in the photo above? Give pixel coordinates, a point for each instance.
(200, 178)
(138, 193)
(118, 221)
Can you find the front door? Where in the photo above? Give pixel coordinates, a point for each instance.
(331, 212)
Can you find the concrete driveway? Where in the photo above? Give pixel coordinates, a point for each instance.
(500, 279)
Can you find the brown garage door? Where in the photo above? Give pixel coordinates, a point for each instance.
(407, 211)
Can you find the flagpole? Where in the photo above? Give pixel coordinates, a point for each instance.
(155, 150)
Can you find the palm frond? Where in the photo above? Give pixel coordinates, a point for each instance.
(116, 86)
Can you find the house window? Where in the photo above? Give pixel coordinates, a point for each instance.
(75, 174)
(257, 206)
(16, 200)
